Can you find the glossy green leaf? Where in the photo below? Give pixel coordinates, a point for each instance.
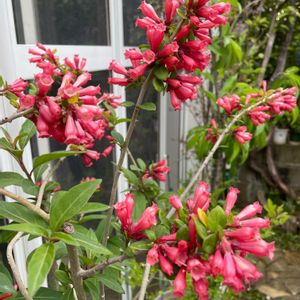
(92, 207)
(150, 106)
(39, 171)
(161, 73)
(33, 229)
(27, 131)
(19, 213)
(42, 294)
(111, 282)
(89, 244)
(141, 245)
(91, 285)
(70, 203)
(158, 85)
(200, 228)
(6, 285)
(209, 243)
(39, 266)
(182, 233)
(53, 156)
(65, 237)
(118, 137)
(127, 103)
(215, 218)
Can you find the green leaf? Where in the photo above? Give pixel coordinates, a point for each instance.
(5, 145)
(127, 104)
(182, 233)
(39, 171)
(63, 277)
(42, 294)
(141, 164)
(181, 13)
(12, 99)
(228, 85)
(215, 218)
(66, 238)
(53, 156)
(141, 202)
(1, 81)
(158, 85)
(111, 282)
(200, 228)
(150, 106)
(161, 73)
(19, 213)
(70, 203)
(91, 285)
(91, 207)
(89, 244)
(6, 285)
(33, 229)
(10, 178)
(118, 137)
(141, 245)
(209, 243)
(39, 266)
(27, 131)
(234, 151)
(130, 176)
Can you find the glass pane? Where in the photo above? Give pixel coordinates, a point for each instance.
(134, 36)
(62, 22)
(145, 138)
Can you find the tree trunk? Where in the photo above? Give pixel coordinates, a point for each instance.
(284, 48)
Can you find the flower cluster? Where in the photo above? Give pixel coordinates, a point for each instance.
(124, 210)
(158, 170)
(73, 116)
(172, 50)
(276, 102)
(206, 242)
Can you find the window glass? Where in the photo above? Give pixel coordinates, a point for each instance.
(144, 143)
(62, 22)
(135, 36)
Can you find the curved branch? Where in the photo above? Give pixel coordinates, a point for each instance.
(16, 115)
(26, 203)
(14, 268)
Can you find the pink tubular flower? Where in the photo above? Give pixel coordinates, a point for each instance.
(155, 35)
(26, 101)
(152, 255)
(201, 288)
(17, 87)
(246, 270)
(170, 10)
(124, 210)
(175, 202)
(201, 198)
(256, 222)
(159, 170)
(44, 84)
(165, 265)
(148, 11)
(217, 263)
(147, 220)
(258, 115)
(249, 211)
(241, 135)
(242, 234)
(180, 283)
(229, 103)
(283, 101)
(256, 247)
(231, 199)
(196, 269)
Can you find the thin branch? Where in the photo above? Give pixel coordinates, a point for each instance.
(26, 203)
(131, 157)
(14, 268)
(103, 265)
(145, 282)
(16, 116)
(45, 182)
(75, 269)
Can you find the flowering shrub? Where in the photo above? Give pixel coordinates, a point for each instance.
(193, 239)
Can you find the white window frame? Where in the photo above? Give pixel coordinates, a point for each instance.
(14, 63)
